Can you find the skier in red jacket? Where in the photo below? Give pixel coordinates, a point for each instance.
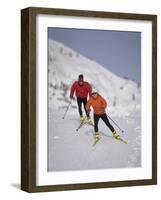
(82, 90)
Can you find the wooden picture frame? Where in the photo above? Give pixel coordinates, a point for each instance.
(28, 98)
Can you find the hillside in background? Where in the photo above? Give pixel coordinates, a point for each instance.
(72, 150)
(64, 66)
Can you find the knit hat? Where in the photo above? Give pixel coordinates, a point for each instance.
(80, 77)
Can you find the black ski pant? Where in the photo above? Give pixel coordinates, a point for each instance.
(105, 119)
(80, 101)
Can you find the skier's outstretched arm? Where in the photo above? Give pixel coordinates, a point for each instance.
(104, 103)
(72, 90)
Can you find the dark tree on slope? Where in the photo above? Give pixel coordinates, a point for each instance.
(70, 54)
(61, 50)
(133, 97)
(64, 87)
(114, 102)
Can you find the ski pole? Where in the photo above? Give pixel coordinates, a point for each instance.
(67, 109)
(115, 124)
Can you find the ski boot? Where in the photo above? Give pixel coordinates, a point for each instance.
(89, 120)
(116, 135)
(97, 136)
(81, 118)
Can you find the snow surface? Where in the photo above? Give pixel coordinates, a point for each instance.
(71, 150)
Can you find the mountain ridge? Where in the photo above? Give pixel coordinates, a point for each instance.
(64, 66)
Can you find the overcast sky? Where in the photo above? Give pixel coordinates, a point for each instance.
(120, 52)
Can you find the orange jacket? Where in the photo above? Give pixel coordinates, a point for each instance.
(99, 105)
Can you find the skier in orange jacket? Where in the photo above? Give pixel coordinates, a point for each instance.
(99, 105)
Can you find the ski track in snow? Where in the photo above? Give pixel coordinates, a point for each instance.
(72, 150)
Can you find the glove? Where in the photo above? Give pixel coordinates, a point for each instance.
(72, 98)
(89, 110)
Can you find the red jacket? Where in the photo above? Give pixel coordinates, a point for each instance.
(81, 91)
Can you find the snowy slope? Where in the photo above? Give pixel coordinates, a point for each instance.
(71, 150)
(64, 66)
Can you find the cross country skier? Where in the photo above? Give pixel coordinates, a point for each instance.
(99, 105)
(82, 90)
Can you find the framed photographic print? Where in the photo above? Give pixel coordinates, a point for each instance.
(88, 99)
